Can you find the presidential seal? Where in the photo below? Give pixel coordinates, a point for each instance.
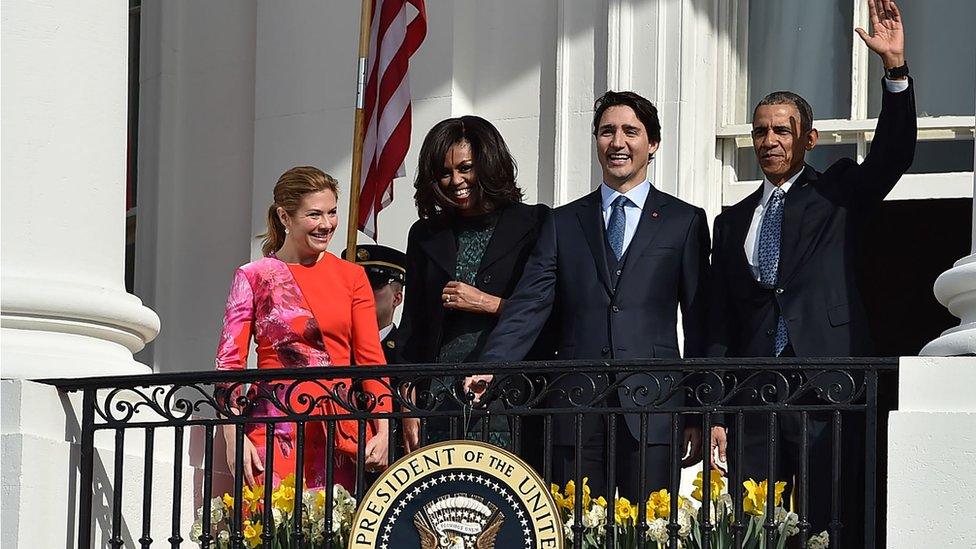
(457, 495)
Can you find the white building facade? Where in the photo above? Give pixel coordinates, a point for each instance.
(231, 93)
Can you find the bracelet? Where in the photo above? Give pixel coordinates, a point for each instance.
(896, 73)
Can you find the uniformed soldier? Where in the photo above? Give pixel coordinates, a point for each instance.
(386, 269)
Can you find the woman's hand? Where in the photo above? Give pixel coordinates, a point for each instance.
(377, 448)
(252, 461)
(459, 296)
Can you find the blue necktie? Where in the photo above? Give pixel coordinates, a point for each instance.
(769, 243)
(617, 225)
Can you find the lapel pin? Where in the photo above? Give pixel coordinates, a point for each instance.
(654, 214)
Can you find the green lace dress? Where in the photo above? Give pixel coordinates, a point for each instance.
(463, 334)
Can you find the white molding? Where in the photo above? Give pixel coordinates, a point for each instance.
(562, 192)
(963, 125)
(620, 45)
(913, 186)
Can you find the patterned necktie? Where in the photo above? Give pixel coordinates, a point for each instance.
(617, 225)
(769, 243)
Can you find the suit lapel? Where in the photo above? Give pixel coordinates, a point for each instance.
(648, 227)
(513, 223)
(797, 201)
(591, 222)
(741, 219)
(441, 246)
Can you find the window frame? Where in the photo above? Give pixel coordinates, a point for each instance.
(858, 129)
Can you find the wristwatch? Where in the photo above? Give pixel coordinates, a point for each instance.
(896, 73)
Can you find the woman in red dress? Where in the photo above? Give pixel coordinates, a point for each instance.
(303, 307)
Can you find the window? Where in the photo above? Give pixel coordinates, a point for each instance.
(132, 144)
(811, 48)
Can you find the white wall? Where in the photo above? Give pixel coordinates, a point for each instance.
(235, 93)
(196, 142)
(41, 433)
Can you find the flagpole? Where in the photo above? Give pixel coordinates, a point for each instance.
(352, 229)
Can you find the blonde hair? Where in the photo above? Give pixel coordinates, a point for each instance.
(291, 187)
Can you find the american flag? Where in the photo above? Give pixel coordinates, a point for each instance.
(394, 36)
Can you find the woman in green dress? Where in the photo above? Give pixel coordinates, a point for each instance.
(464, 258)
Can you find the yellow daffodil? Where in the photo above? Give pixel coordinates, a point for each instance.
(754, 501)
(558, 497)
(601, 501)
(283, 497)
(252, 498)
(320, 500)
(571, 494)
(659, 504)
(626, 512)
(717, 484)
(252, 533)
(228, 501)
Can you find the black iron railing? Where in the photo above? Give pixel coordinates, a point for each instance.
(827, 401)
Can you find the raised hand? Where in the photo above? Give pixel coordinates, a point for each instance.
(888, 40)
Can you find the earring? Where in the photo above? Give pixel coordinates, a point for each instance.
(286, 230)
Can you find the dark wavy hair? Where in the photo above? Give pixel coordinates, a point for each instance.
(645, 110)
(493, 165)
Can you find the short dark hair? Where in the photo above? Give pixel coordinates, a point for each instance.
(493, 164)
(645, 110)
(790, 98)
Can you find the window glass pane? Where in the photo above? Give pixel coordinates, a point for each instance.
(804, 47)
(821, 157)
(941, 52)
(942, 156)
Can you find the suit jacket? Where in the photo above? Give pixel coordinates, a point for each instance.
(431, 261)
(822, 220)
(665, 265)
(389, 345)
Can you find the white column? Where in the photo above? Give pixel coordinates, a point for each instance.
(956, 290)
(65, 311)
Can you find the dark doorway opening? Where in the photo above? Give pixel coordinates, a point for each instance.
(907, 245)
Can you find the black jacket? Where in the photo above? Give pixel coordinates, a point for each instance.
(823, 216)
(665, 266)
(431, 260)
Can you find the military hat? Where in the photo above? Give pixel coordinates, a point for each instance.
(382, 263)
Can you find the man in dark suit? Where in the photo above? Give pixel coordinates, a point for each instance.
(783, 280)
(612, 268)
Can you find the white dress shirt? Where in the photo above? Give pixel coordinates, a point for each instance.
(385, 331)
(752, 237)
(632, 210)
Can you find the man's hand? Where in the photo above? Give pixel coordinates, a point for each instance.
(888, 40)
(693, 447)
(411, 434)
(477, 385)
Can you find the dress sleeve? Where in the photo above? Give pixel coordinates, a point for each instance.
(235, 336)
(366, 346)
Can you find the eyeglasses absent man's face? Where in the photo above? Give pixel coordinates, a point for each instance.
(623, 147)
(779, 141)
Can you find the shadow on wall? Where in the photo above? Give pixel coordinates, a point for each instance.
(101, 488)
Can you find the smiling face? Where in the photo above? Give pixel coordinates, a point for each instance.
(623, 148)
(459, 180)
(312, 225)
(780, 142)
